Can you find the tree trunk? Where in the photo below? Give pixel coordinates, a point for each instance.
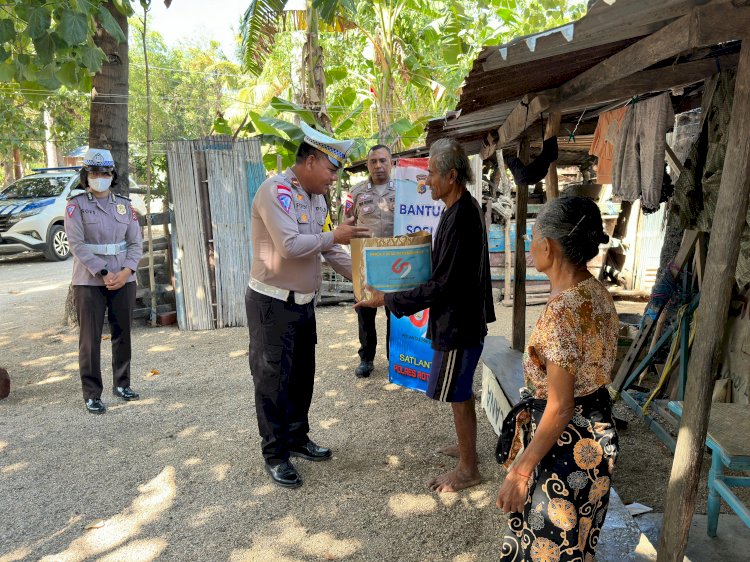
(150, 238)
(8, 171)
(316, 79)
(297, 71)
(108, 126)
(17, 165)
(50, 149)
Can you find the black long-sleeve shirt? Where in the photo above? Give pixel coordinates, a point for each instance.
(459, 292)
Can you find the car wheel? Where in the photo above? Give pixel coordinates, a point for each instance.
(58, 247)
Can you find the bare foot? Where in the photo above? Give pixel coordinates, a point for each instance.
(452, 451)
(454, 481)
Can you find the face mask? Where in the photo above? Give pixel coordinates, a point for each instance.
(100, 184)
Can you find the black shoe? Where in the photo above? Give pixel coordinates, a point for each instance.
(284, 474)
(311, 452)
(95, 406)
(126, 393)
(364, 369)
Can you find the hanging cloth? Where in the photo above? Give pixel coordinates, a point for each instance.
(537, 169)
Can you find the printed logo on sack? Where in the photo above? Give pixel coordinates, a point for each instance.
(401, 268)
(421, 184)
(420, 319)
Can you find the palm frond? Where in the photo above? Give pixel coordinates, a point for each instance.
(258, 26)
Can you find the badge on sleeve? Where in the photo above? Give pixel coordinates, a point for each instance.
(70, 209)
(133, 214)
(121, 209)
(348, 203)
(284, 195)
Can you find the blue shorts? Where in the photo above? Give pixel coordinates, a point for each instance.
(452, 374)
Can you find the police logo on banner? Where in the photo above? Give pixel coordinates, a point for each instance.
(284, 195)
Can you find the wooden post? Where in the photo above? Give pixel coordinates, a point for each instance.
(729, 219)
(553, 127)
(519, 274)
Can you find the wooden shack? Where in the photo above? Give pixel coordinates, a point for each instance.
(560, 80)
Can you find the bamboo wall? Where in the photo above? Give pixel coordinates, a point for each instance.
(212, 182)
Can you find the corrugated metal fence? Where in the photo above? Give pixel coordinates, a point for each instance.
(212, 183)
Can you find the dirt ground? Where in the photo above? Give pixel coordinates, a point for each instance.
(178, 475)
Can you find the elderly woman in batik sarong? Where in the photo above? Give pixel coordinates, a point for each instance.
(559, 442)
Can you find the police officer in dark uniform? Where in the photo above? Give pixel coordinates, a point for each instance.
(106, 243)
(288, 215)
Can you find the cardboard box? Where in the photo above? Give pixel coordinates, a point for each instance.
(391, 264)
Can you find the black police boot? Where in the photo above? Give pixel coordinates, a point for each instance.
(95, 406)
(364, 369)
(126, 393)
(284, 474)
(311, 452)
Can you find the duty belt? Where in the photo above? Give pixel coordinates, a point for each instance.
(108, 249)
(281, 294)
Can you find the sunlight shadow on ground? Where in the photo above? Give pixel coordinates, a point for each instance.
(390, 387)
(193, 461)
(156, 497)
(137, 551)
(3, 445)
(331, 393)
(25, 551)
(465, 557)
(220, 471)
(238, 353)
(134, 403)
(327, 424)
(13, 468)
(160, 348)
(205, 514)
(370, 402)
(53, 378)
(287, 540)
(393, 461)
(176, 406)
(407, 505)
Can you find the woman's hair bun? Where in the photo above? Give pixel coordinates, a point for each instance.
(576, 223)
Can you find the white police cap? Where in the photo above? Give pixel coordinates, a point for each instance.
(336, 150)
(98, 158)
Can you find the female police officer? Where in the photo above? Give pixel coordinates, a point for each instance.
(105, 240)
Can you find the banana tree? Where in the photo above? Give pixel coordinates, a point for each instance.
(263, 19)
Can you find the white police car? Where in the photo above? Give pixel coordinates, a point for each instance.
(32, 211)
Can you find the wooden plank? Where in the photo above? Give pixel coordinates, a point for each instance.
(688, 243)
(526, 112)
(726, 231)
(519, 277)
(702, 27)
(553, 127)
(655, 80)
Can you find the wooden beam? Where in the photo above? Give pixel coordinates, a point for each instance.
(525, 113)
(656, 80)
(550, 182)
(726, 231)
(519, 276)
(704, 26)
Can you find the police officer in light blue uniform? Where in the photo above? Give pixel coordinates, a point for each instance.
(106, 243)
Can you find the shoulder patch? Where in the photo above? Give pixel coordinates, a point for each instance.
(284, 196)
(70, 209)
(71, 197)
(122, 197)
(134, 214)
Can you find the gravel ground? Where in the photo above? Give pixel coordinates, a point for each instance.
(178, 475)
